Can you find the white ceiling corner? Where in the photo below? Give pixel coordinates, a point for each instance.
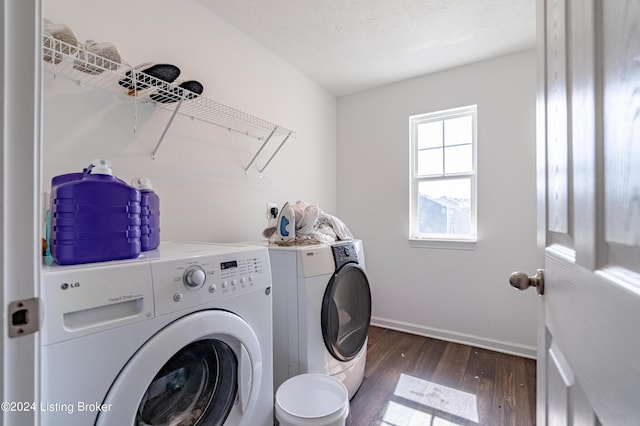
(347, 46)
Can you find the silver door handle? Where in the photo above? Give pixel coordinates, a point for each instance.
(522, 281)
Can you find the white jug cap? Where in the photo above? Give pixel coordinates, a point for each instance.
(142, 184)
(101, 167)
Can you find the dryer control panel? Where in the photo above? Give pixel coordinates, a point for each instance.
(344, 253)
(200, 279)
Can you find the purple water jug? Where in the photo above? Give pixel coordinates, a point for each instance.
(94, 217)
(149, 214)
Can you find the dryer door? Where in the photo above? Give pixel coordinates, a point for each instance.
(202, 369)
(346, 312)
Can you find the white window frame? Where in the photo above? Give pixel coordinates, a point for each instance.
(416, 238)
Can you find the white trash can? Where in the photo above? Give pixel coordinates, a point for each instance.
(312, 399)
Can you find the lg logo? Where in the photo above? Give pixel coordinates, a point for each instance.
(66, 286)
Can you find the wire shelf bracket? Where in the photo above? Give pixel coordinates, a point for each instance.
(274, 153)
(166, 129)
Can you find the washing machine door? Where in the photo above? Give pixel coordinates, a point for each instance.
(346, 312)
(202, 369)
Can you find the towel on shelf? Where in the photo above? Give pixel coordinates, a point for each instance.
(94, 58)
(54, 34)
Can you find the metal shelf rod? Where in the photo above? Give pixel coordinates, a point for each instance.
(274, 153)
(166, 128)
(246, 169)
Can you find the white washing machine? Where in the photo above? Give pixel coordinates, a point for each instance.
(322, 311)
(181, 336)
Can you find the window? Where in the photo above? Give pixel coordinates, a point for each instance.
(443, 175)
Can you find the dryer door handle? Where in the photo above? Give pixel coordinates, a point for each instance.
(245, 378)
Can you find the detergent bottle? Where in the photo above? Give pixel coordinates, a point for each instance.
(149, 214)
(94, 216)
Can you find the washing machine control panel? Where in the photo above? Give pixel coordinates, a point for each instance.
(194, 277)
(186, 283)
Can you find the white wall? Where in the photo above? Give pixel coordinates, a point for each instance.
(205, 194)
(199, 172)
(459, 295)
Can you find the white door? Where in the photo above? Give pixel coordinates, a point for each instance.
(20, 252)
(589, 209)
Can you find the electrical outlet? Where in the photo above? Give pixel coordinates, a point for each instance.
(270, 210)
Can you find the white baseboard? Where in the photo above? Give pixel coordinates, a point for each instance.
(494, 345)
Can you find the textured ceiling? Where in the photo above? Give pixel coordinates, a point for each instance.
(347, 46)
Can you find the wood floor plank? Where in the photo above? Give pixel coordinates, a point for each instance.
(452, 365)
(391, 354)
(479, 381)
(415, 380)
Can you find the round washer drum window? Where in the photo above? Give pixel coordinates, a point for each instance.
(346, 312)
(197, 386)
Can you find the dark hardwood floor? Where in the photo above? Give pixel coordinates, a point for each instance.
(415, 380)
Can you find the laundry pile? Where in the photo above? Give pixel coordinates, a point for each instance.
(304, 223)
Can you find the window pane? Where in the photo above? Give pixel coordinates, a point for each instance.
(458, 131)
(443, 153)
(458, 159)
(444, 207)
(430, 162)
(430, 135)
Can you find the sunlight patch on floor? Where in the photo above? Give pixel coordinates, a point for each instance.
(433, 395)
(401, 415)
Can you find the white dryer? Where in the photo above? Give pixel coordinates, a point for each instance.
(322, 311)
(179, 337)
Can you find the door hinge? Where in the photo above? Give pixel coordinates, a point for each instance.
(24, 317)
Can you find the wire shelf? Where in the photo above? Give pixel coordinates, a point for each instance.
(90, 68)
